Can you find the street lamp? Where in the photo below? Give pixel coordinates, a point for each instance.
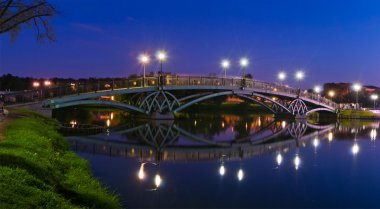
(161, 57)
(225, 65)
(281, 76)
(317, 89)
(144, 60)
(243, 63)
(299, 76)
(374, 97)
(357, 87)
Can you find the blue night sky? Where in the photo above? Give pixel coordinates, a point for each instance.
(329, 40)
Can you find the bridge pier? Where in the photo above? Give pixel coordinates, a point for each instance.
(162, 116)
(300, 117)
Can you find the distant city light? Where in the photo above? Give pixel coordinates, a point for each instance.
(47, 83)
(36, 84)
(331, 93)
(300, 75)
(244, 62)
(281, 76)
(283, 124)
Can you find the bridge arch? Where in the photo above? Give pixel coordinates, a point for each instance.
(243, 94)
(118, 105)
(322, 109)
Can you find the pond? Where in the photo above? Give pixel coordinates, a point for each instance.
(231, 160)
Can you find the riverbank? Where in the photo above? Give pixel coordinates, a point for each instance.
(38, 170)
(358, 114)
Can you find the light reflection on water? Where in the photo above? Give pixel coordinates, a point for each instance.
(234, 161)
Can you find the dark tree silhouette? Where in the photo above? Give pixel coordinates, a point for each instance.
(16, 14)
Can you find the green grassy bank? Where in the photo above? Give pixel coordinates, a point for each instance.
(357, 114)
(38, 170)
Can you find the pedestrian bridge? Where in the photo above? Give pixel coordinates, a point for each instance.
(172, 94)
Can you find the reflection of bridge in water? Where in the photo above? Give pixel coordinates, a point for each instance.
(164, 142)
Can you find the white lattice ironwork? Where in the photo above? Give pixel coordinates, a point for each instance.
(158, 135)
(160, 101)
(298, 107)
(297, 130)
(137, 99)
(277, 108)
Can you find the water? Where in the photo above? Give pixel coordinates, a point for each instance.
(233, 161)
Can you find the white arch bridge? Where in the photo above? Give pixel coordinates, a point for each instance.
(176, 93)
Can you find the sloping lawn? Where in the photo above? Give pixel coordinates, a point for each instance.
(357, 113)
(38, 170)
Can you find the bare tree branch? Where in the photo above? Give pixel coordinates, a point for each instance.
(35, 13)
(21, 22)
(21, 12)
(6, 8)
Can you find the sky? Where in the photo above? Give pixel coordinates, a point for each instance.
(332, 40)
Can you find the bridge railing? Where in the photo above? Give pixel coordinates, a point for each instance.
(81, 87)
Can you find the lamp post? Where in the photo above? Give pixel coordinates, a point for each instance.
(161, 57)
(374, 97)
(317, 89)
(357, 87)
(225, 65)
(144, 60)
(243, 63)
(299, 76)
(281, 76)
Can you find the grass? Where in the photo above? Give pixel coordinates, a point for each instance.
(38, 170)
(357, 113)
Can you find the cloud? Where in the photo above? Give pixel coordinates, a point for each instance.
(89, 27)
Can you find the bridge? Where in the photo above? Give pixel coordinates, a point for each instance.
(169, 94)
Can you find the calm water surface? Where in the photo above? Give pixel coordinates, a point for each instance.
(232, 161)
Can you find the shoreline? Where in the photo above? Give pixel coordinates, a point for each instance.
(38, 169)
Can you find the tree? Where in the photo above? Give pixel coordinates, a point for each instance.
(14, 14)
